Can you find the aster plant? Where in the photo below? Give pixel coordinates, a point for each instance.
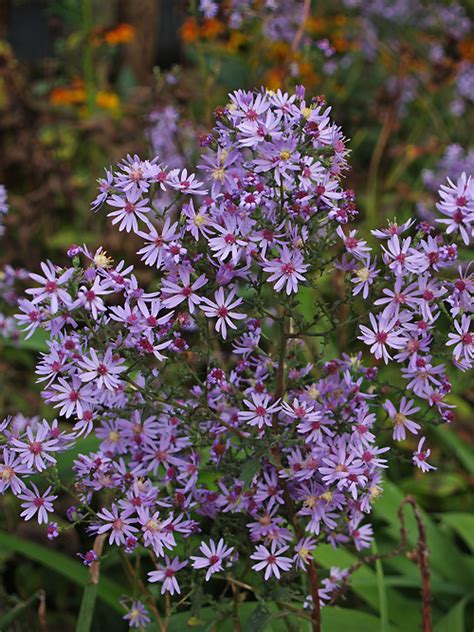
(233, 433)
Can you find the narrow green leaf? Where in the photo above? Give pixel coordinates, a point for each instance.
(86, 612)
(457, 445)
(109, 591)
(453, 621)
(381, 587)
(463, 524)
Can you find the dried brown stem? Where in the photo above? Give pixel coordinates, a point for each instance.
(299, 33)
(421, 558)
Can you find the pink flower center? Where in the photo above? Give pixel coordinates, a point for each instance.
(260, 411)
(230, 239)
(288, 269)
(214, 559)
(222, 312)
(467, 338)
(186, 291)
(381, 337)
(36, 447)
(38, 502)
(51, 286)
(102, 369)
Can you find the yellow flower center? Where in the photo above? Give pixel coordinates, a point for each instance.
(101, 260)
(363, 274)
(199, 219)
(399, 419)
(219, 174)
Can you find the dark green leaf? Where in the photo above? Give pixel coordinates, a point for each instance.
(109, 591)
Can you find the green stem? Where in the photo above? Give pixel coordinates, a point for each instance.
(383, 605)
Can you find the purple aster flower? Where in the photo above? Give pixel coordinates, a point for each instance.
(52, 531)
(400, 418)
(222, 308)
(166, 573)
(104, 371)
(287, 270)
(229, 242)
(420, 457)
(271, 560)
(89, 557)
(12, 466)
(51, 289)
(137, 616)
(32, 316)
(304, 552)
(34, 452)
(364, 277)
(384, 334)
(156, 251)
(130, 209)
(457, 203)
(463, 339)
(174, 294)
(261, 411)
(91, 298)
(119, 524)
(213, 557)
(181, 181)
(36, 503)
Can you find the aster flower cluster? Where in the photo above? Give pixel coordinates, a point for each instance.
(417, 286)
(199, 388)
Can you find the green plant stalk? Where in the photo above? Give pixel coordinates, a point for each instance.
(89, 596)
(382, 592)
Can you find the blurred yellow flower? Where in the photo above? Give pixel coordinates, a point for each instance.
(107, 100)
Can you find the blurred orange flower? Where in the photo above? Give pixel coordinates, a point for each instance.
(466, 48)
(72, 95)
(189, 31)
(121, 34)
(211, 29)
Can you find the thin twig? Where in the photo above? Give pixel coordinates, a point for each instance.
(299, 33)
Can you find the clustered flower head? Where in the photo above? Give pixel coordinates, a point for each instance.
(199, 387)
